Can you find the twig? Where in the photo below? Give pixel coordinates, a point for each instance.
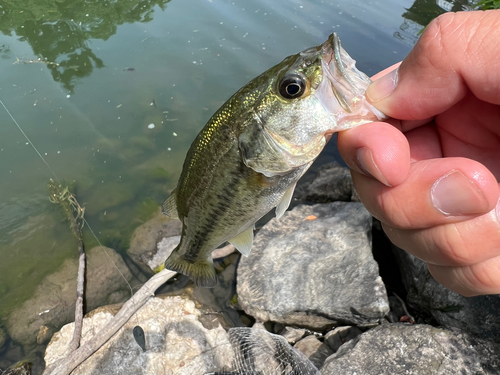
(74, 359)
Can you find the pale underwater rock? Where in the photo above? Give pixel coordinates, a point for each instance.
(178, 341)
(314, 268)
(414, 350)
(53, 303)
(147, 247)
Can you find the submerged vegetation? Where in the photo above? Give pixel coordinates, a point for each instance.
(74, 213)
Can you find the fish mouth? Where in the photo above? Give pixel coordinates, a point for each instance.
(342, 89)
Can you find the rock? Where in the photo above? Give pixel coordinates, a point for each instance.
(153, 242)
(414, 350)
(331, 183)
(292, 335)
(44, 335)
(476, 315)
(53, 303)
(177, 341)
(22, 368)
(340, 335)
(163, 250)
(314, 268)
(314, 350)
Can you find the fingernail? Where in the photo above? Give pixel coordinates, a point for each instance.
(498, 211)
(454, 194)
(367, 164)
(382, 87)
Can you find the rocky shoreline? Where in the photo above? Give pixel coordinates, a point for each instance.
(311, 278)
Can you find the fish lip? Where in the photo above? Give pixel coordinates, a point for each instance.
(343, 83)
(333, 67)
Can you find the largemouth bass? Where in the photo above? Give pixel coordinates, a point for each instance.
(251, 153)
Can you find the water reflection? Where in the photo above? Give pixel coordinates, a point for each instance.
(59, 31)
(422, 12)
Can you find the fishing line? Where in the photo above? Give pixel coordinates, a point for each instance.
(29, 140)
(57, 179)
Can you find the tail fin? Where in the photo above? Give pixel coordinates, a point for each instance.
(202, 272)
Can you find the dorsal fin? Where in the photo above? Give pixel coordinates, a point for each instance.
(169, 207)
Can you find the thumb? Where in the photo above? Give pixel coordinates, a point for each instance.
(456, 53)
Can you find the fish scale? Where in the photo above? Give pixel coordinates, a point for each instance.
(251, 153)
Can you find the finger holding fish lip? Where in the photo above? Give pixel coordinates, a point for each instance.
(378, 150)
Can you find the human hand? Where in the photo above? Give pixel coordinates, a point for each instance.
(431, 173)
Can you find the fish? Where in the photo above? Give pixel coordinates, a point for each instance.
(253, 150)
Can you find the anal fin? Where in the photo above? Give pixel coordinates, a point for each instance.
(285, 201)
(202, 272)
(169, 207)
(243, 241)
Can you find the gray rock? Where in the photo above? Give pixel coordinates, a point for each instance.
(314, 350)
(340, 335)
(144, 244)
(292, 335)
(177, 341)
(476, 315)
(414, 350)
(53, 302)
(314, 268)
(331, 183)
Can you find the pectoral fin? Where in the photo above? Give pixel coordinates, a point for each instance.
(285, 201)
(243, 241)
(169, 207)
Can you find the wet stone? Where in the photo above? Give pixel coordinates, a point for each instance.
(153, 242)
(53, 303)
(44, 334)
(314, 268)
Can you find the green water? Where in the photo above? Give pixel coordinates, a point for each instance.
(112, 94)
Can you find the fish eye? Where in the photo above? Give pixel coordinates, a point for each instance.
(292, 86)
